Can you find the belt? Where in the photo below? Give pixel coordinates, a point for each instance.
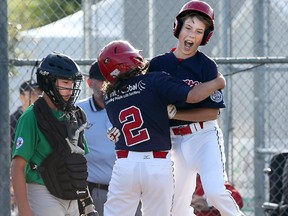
(187, 129)
(91, 186)
(143, 155)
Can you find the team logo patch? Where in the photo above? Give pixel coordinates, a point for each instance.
(19, 142)
(216, 96)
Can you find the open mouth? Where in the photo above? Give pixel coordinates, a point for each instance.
(188, 44)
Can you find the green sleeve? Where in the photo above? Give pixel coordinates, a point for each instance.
(25, 136)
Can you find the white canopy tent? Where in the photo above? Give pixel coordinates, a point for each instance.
(67, 35)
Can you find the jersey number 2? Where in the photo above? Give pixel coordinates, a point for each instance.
(132, 121)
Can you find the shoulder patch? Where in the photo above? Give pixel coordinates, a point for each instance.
(216, 96)
(19, 142)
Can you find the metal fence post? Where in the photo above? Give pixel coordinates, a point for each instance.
(4, 114)
(259, 108)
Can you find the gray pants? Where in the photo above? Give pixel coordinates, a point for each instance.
(43, 203)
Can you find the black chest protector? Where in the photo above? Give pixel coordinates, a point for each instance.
(64, 171)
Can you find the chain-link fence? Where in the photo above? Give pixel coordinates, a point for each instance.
(249, 44)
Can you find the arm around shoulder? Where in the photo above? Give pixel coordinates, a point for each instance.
(203, 90)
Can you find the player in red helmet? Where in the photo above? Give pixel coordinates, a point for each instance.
(119, 60)
(197, 140)
(136, 104)
(207, 16)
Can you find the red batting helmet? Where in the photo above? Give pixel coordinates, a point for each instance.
(118, 57)
(196, 6)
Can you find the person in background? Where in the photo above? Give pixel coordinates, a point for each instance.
(201, 205)
(29, 93)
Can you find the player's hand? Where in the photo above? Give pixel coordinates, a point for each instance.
(73, 136)
(113, 134)
(171, 109)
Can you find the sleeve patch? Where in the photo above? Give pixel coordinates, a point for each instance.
(19, 142)
(216, 96)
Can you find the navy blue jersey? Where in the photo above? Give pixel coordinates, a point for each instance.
(139, 110)
(194, 70)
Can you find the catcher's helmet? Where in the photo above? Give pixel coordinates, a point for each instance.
(59, 66)
(118, 57)
(200, 7)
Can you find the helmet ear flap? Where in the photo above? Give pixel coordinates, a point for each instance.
(206, 37)
(178, 23)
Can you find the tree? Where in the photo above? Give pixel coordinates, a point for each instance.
(36, 13)
(28, 14)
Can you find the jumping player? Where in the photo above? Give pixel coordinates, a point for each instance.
(197, 140)
(136, 103)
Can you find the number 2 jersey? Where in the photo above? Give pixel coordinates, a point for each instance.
(139, 110)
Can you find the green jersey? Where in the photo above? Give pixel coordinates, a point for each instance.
(31, 144)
